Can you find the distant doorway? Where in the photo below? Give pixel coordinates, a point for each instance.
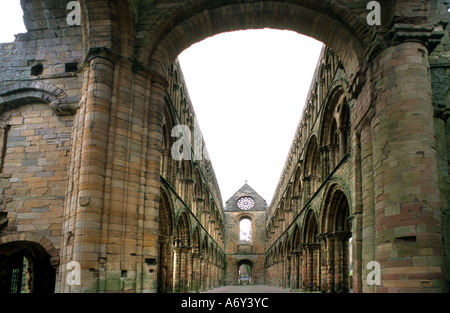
(245, 273)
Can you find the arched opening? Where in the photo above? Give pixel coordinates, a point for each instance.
(197, 205)
(296, 255)
(333, 145)
(289, 205)
(196, 265)
(344, 128)
(297, 192)
(312, 168)
(181, 255)
(245, 231)
(205, 264)
(287, 265)
(165, 35)
(245, 272)
(25, 268)
(203, 19)
(333, 139)
(165, 235)
(166, 50)
(248, 90)
(337, 230)
(311, 254)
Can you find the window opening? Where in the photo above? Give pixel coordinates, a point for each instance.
(245, 226)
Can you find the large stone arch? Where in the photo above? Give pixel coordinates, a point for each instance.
(336, 230)
(335, 195)
(186, 23)
(183, 228)
(336, 95)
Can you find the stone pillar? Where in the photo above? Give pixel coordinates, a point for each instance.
(176, 269)
(202, 272)
(190, 270)
(309, 268)
(207, 275)
(210, 275)
(407, 200)
(307, 189)
(297, 270)
(196, 272)
(363, 223)
(270, 277)
(165, 162)
(338, 268)
(93, 124)
(217, 275)
(280, 272)
(291, 277)
(330, 263)
(324, 153)
(323, 263)
(217, 283)
(345, 264)
(187, 190)
(213, 273)
(113, 179)
(316, 266)
(300, 270)
(275, 273)
(304, 278)
(186, 268)
(334, 155)
(287, 275)
(82, 229)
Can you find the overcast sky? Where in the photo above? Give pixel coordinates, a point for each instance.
(248, 89)
(11, 20)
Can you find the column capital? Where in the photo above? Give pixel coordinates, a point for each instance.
(106, 53)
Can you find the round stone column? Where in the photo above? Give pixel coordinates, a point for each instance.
(407, 210)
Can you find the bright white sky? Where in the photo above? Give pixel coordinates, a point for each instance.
(248, 89)
(11, 20)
